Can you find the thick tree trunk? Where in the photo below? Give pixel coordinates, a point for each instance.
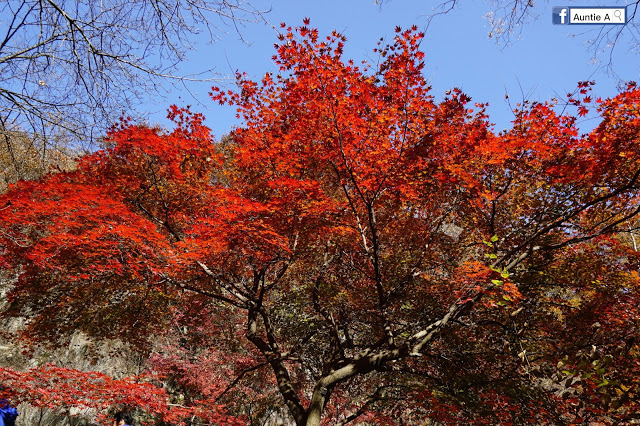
(321, 390)
(314, 413)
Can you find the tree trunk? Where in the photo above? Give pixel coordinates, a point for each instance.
(314, 413)
(321, 390)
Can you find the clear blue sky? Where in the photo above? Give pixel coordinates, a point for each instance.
(546, 61)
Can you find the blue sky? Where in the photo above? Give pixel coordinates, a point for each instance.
(546, 61)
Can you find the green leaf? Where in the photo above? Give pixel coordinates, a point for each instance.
(504, 274)
(494, 238)
(497, 282)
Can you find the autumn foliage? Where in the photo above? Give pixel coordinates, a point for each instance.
(355, 251)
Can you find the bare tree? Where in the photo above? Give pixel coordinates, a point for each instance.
(508, 19)
(73, 66)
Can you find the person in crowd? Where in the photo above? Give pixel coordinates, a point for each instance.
(8, 414)
(121, 419)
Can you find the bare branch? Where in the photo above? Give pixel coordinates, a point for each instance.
(73, 66)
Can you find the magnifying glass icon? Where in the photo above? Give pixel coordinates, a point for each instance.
(618, 14)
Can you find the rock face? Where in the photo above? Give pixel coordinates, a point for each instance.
(44, 417)
(81, 354)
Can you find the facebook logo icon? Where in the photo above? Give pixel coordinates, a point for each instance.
(589, 15)
(560, 15)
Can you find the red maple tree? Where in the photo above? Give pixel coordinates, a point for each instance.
(356, 247)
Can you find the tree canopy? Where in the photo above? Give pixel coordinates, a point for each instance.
(355, 251)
